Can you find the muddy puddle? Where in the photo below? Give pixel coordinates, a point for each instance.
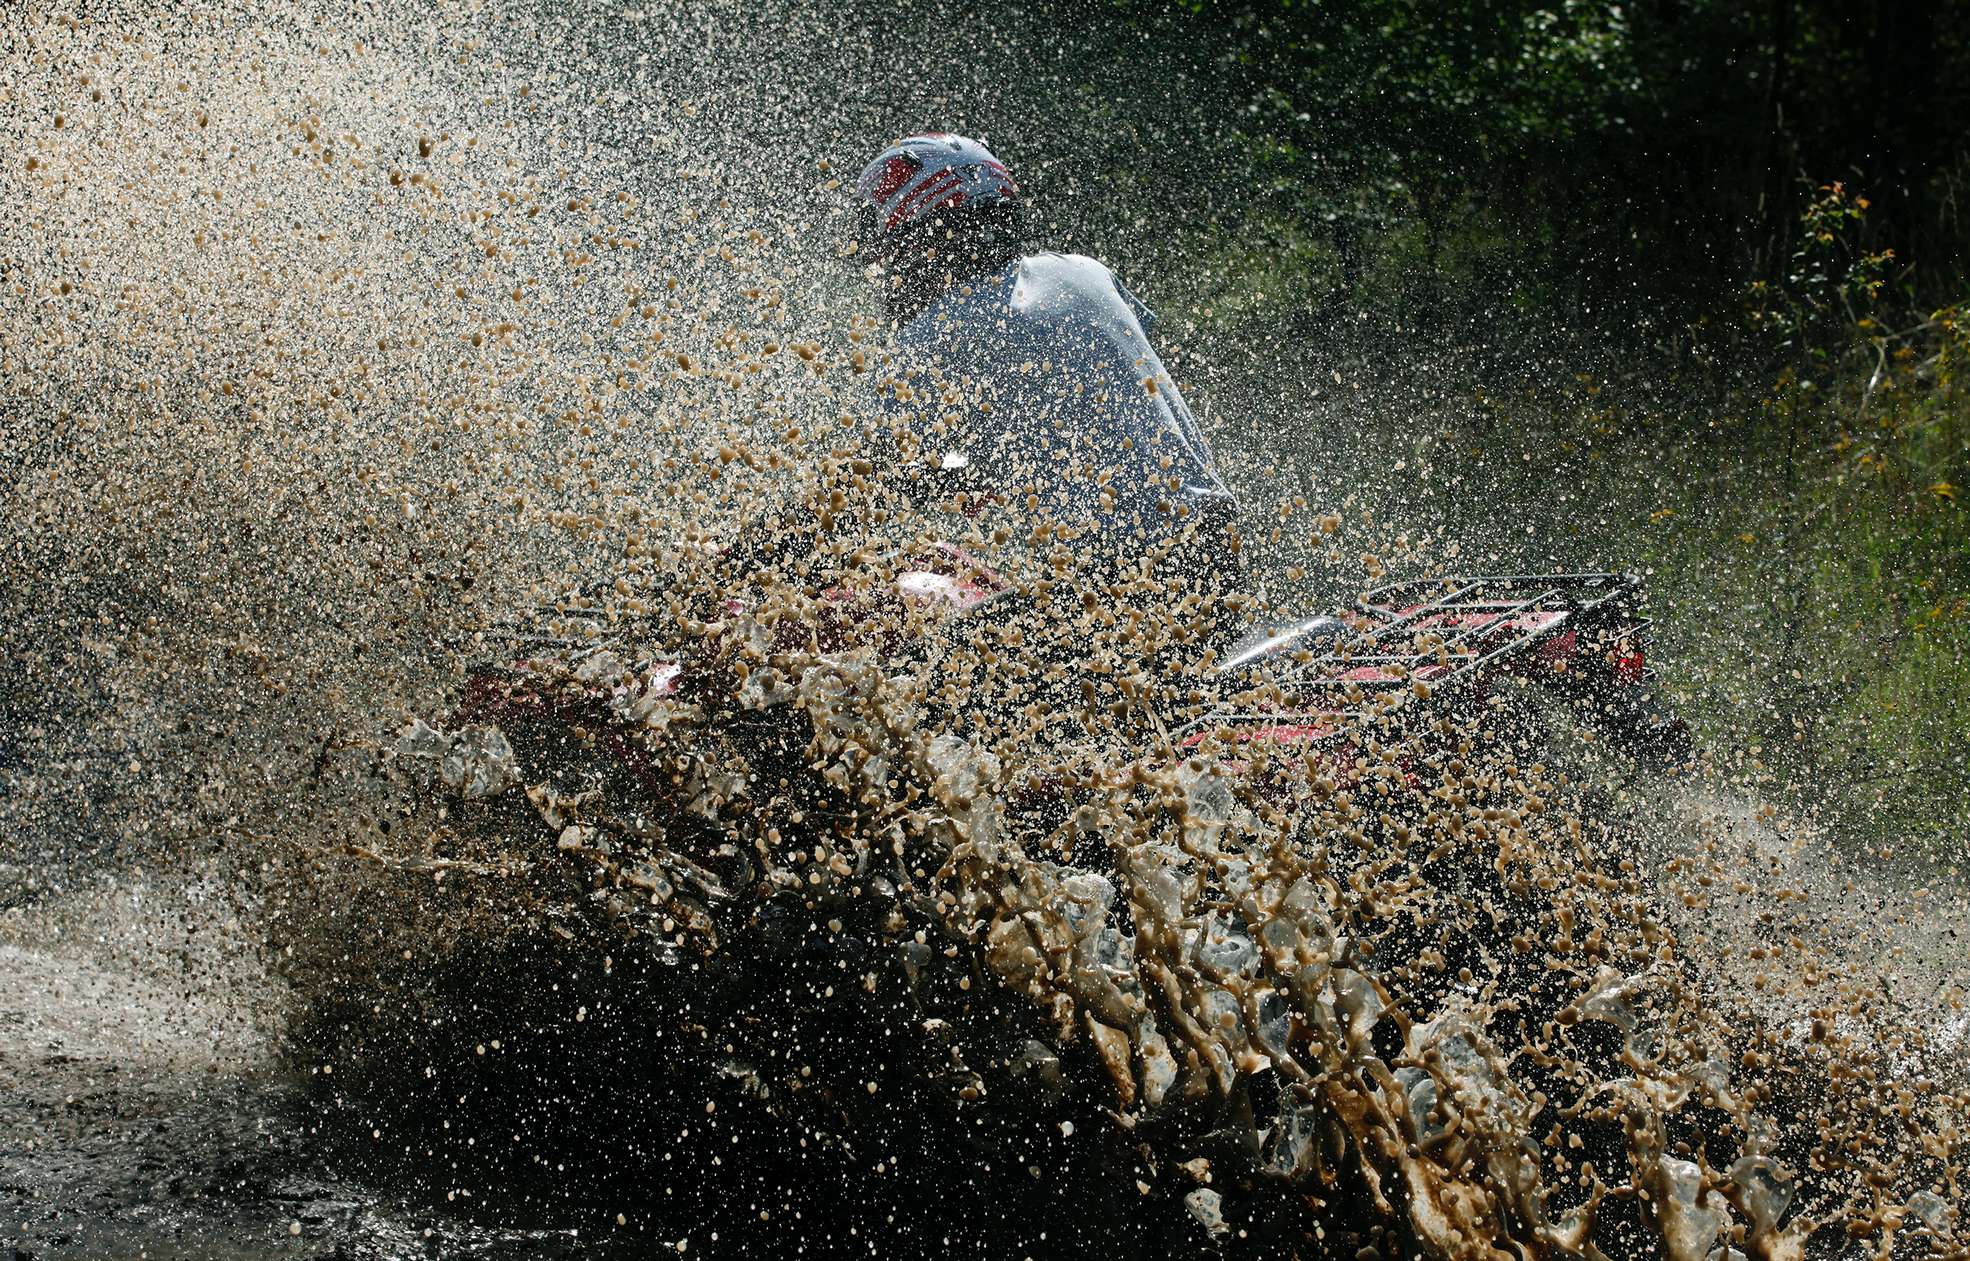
(147, 1113)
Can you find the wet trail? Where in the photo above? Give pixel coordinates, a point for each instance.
(1903, 929)
(147, 1112)
(127, 1131)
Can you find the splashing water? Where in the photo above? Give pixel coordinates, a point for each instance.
(333, 347)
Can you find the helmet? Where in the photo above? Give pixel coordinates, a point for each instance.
(933, 171)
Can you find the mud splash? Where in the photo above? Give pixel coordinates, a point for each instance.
(1466, 1016)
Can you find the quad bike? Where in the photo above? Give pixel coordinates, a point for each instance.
(1429, 644)
(640, 760)
(683, 797)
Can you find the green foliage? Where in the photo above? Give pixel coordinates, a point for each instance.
(1626, 165)
(1807, 527)
(1852, 673)
(1826, 299)
(1820, 624)
(1702, 263)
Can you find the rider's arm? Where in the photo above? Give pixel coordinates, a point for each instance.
(1180, 415)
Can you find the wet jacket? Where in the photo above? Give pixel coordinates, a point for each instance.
(1041, 374)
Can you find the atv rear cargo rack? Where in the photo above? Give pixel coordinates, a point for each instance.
(1440, 633)
(1438, 630)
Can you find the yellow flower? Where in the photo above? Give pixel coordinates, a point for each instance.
(1944, 489)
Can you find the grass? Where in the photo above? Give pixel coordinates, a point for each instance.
(1816, 569)
(1802, 508)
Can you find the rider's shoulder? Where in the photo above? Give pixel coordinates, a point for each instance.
(1048, 281)
(1070, 269)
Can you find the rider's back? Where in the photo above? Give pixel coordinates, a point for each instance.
(1042, 375)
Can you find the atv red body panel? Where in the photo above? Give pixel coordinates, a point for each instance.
(1436, 642)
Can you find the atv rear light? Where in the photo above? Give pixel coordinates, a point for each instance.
(1630, 662)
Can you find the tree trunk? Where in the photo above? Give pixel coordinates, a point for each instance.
(1777, 156)
(1900, 152)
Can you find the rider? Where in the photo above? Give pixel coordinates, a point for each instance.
(1036, 369)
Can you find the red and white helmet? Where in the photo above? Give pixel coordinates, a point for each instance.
(922, 174)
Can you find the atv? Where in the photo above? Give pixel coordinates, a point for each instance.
(1424, 644)
(748, 812)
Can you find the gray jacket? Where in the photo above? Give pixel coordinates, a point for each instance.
(1043, 377)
